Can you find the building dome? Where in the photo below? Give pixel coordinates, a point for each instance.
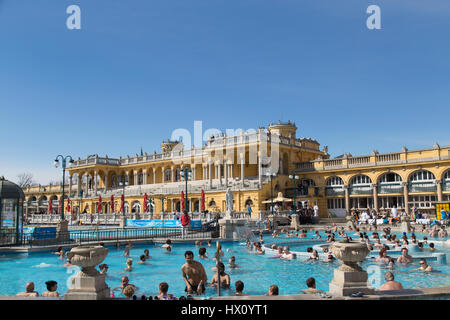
(10, 190)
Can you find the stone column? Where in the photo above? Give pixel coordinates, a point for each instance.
(226, 173)
(95, 183)
(405, 196)
(219, 169)
(144, 176)
(242, 171)
(154, 175)
(375, 196)
(194, 171)
(259, 170)
(162, 176)
(172, 174)
(439, 190)
(347, 200)
(209, 174)
(136, 178)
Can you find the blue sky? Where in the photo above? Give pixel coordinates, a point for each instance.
(139, 69)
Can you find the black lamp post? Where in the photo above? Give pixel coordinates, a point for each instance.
(293, 176)
(186, 174)
(64, 161)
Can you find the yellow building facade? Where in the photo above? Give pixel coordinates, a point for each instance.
(243, 163)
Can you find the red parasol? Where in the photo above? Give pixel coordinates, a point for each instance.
(145, 203)
(202, 200)
(112, 204)
(68, 205)
(121, 203)
(50, 206)
(99, 206)
(182, 201)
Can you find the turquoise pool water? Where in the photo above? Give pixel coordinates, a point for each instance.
(257, 272)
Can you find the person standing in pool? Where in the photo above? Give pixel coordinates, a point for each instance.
(124, 283)
(225, 280)
(405, 258)
(194, 274)
(424, 266)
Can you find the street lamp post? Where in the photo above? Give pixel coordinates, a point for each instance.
(63, 164)
(293, 176)
(186, 174)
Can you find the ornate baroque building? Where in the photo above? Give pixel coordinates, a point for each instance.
(242, 162)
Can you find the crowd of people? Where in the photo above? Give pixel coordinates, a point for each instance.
(195, 277)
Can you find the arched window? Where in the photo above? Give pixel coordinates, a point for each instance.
(114, 181)
(335, 181)
(361, 184)
(446, 182)
(360, 180)
(334, 187)
(422, 175)
(390, 183)
(140, 178)
(136, 208)
(167, 175)
(390, 177)
(422, 181)
(249, 202)
(212, 203)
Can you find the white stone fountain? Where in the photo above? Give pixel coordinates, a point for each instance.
(349, 277)
(88, 284)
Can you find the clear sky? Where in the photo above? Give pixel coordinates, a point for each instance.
(138, 69)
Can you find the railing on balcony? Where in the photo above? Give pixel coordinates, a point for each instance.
(334, 191)
(364, 189)
(388, 158)
(332, 163)
(358, 161)
(390, 188)
(422, 187)
(307, 166)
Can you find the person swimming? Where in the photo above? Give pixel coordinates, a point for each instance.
(129, 264)
(202, 253)
(232, 263)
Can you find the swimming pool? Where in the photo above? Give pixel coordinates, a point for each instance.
(257, 272)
